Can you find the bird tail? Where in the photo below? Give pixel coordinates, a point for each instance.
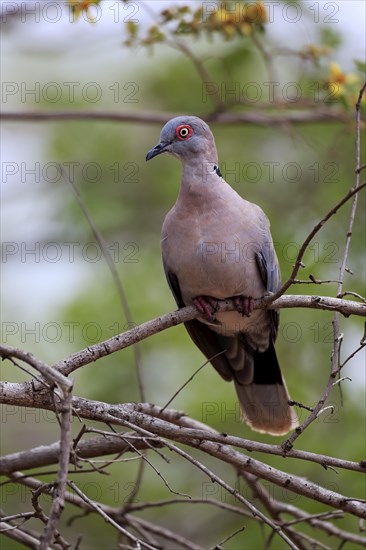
(264, 400)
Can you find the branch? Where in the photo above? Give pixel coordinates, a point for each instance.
(99, 509)
(298, 263)
(16, 533)
(150, 117)
(136, 334)
(130, 417)
(112, 515)
(53, 377)
(337, 337)
(115, 275)
(270, 504)
(115, 513)
(216, 479)
(46, 455)
(240, 461)
(149, 328)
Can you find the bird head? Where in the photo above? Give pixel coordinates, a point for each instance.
(186, 137)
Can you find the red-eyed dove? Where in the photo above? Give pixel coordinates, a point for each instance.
(216, 245)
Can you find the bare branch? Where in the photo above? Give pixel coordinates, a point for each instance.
(150, 426)
(16, 533)
(97, 508)
(113, 514)
(53, 376)
(63, 464)
(126, 339)
(163, 532)
(316, 114)
(115, 275)
(215, 478)
(337, 339)
(113, 443)
(298, 263)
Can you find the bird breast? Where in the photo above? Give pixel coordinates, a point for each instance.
(211, 258)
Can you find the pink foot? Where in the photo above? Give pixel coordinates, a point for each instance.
(206, 305)
(244, 305)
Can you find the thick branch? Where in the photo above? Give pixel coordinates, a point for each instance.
(46, 455)
(53, 377)
(126, 339)
(123, 340)
(240, 461)
(153, 426)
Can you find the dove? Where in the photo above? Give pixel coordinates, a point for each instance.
(217, 245)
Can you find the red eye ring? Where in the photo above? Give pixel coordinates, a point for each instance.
(183, 132)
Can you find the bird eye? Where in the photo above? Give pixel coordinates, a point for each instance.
(183, 132)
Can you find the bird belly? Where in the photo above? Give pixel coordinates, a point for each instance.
(216, 274)
(256, 328)
(207, 269)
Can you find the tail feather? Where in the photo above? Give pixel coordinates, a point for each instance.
(257, 376)
(264, 401)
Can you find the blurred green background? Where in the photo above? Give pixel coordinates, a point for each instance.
(58, 294)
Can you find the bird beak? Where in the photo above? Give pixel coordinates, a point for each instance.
(157, 150)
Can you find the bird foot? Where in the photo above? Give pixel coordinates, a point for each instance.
(244, 305)
(207, 306)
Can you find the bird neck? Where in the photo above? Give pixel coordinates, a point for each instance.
(200, 178)
(198, 169)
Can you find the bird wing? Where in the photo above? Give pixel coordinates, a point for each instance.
(204, 338)
(270, 273)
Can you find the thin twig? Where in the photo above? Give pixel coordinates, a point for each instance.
(122, 298)
(337, 340)
(226, 539)
(189, 380)
(115, 276)
(163, 532)
(16, 533)
(352, 355)
(298, 263)
(108, 519)
(350, 293)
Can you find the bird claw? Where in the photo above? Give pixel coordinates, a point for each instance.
(207, 306)
(244, 305)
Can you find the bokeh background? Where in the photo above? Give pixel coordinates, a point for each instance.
(58, 294)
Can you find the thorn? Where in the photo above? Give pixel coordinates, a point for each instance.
(341, 380)
(331, 407)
